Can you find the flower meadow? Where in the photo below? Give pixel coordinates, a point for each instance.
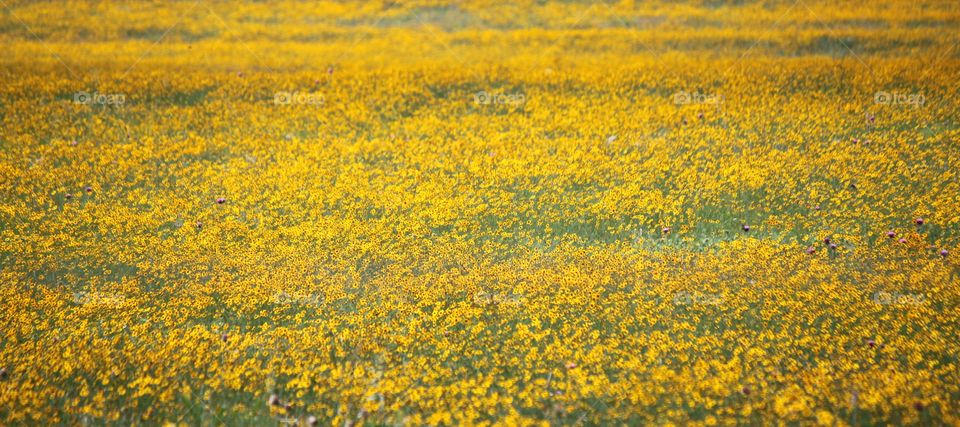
(480, 213)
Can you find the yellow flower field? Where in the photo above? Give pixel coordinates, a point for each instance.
(701, 212)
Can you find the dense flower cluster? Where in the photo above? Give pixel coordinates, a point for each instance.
(688, 213)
